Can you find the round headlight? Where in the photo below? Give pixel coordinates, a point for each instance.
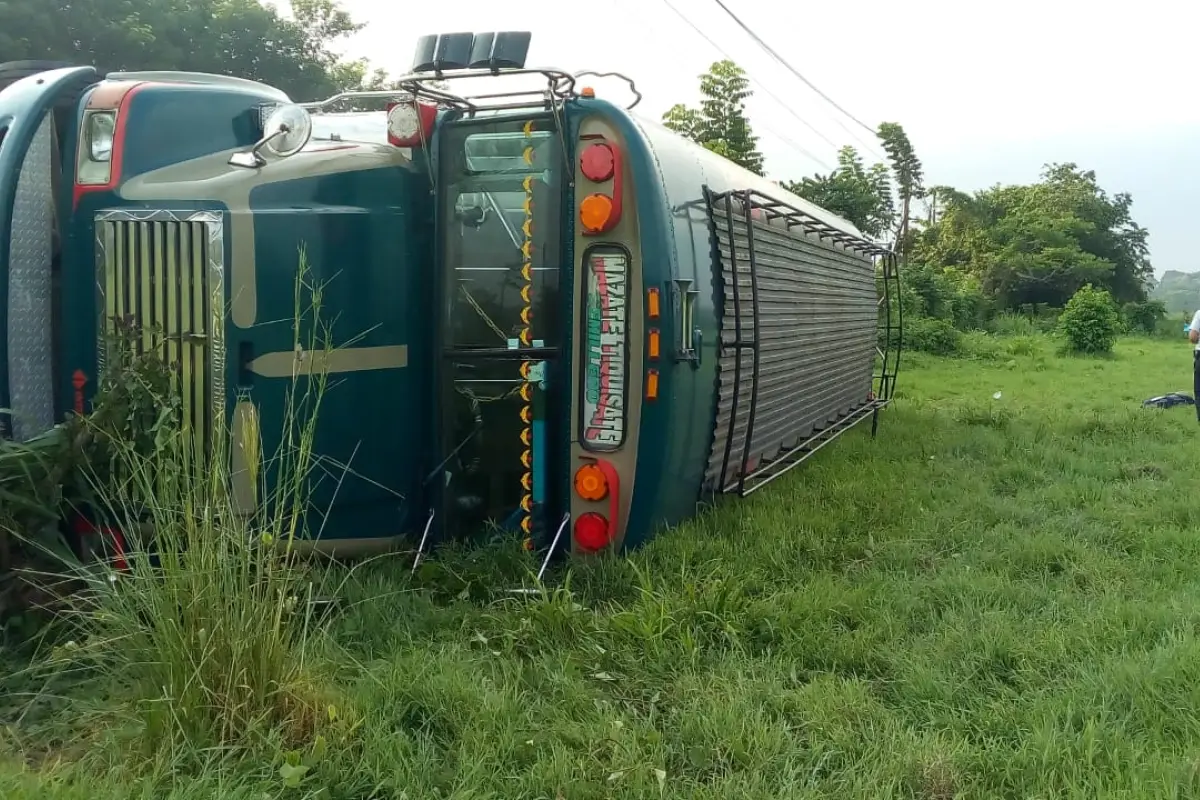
(292, 127)
(403, 122)
(101, 128)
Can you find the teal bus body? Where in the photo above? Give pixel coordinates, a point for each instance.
(371, 223)
(677, 244)
(354, 229)
(358, 231)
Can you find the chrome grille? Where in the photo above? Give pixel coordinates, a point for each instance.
(160, 281)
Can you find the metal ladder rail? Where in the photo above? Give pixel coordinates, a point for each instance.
(737, 342)
(793, 458)
(754, 345)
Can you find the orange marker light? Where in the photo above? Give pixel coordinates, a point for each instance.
(587, 91)
(652, 384)
(595, 212)
(653, 345)
(652, 309)
(590, 483)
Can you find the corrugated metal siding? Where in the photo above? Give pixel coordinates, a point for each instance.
(816, 335)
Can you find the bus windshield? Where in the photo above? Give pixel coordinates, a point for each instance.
(501, 219)
(366, 127)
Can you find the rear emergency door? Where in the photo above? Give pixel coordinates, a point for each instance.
(29, 181)
(501, 386)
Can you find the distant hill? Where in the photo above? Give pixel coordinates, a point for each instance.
(1179, 291)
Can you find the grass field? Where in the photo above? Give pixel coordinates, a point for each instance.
(995, 598)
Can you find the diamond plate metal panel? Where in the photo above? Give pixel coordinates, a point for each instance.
(30, 374)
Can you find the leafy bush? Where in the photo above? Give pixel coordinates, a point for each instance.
(1144, 317)
(1024, 345)
(1008, 323)
(1091, 322)
(979, 345)
(1172, 326)
(946, 294)
(1025, 321)
(970, 308)
(930, 335)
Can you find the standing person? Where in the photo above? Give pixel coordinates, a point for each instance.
(1193, 332)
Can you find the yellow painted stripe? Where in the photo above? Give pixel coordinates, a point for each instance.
(246, 457)
(285, 364)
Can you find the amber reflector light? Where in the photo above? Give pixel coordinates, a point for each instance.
(595, 212)
(590, 483)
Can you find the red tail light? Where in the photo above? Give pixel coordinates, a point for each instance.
(600, 162)
(592, 532)
(83, 527)
(597, 163)
(595, 482)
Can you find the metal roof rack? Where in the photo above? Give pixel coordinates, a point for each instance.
(560, 86)
(773, 209)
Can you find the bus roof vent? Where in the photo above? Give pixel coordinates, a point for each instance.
(448, 52)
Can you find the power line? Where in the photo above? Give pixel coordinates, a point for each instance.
(770, 51)
(765, 90)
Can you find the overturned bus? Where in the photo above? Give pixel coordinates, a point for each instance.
(561, 319)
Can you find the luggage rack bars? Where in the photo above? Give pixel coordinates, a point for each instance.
(559, 87)
(889, 330)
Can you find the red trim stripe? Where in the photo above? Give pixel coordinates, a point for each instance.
(118, 151)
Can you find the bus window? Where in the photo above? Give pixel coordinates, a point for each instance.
(508, 151)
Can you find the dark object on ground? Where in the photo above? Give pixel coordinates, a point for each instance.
(1169, 400)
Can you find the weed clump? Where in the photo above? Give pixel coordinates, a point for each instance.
(930, 335)
(198, 629)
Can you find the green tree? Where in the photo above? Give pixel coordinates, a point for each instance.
(853, 191)
(720, 123)
(1145, 316)
(908, 174)
(1039, 244)
(243, 38)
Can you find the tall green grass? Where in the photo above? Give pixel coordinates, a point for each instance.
(998, 597)
(204, 646)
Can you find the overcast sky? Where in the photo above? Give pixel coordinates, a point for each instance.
(988, 92)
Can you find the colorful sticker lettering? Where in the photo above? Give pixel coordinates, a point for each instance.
(604, 352)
